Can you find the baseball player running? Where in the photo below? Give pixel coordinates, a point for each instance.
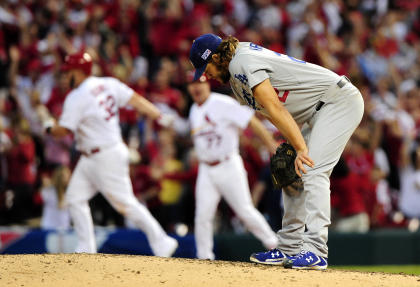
(291, 92)
(216, 121)
(91, 112)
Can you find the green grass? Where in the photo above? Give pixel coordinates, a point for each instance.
(396, 269)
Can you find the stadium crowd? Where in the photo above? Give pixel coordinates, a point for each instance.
(146, 45)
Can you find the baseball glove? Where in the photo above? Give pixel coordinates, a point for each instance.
(283, 173)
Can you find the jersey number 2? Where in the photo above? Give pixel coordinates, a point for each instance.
(283, 97)
(109, 105)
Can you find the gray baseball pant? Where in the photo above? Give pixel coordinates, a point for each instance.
(326, 136)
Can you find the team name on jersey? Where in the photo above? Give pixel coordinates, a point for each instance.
(207, 123)
(207, 131)
(250, 100)
(242, 89)
(242, 78)
(98, 90)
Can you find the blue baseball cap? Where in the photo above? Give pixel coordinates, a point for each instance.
(201, 51)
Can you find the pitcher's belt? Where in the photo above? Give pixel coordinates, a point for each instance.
(91, 151)
(216, 162)
(343, 81)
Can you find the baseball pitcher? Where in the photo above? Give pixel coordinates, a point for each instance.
(291, 92)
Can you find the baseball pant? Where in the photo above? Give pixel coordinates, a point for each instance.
(108, 172)
(227, 179)
(326, 136)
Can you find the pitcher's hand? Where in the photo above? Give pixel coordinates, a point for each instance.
(301, 159)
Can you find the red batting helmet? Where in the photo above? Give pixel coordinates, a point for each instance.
(82, 61)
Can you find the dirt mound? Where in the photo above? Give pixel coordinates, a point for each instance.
(125, 270)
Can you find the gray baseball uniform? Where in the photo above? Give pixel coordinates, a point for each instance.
(329, 107)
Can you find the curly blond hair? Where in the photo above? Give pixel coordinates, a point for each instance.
(225, 52)
(223, 55)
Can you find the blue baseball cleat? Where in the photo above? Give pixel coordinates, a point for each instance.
(272, 257)
(306, 260)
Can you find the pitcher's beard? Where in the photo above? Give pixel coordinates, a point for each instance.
(225, 76)
(72, 82)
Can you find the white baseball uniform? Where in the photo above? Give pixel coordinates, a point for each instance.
(329, 107)
(91, 112)
(215, 127)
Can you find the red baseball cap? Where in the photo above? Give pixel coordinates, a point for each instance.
(80, 60)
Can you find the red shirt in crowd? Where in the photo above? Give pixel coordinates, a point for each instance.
(56, 101)
(361, 166)
(346, 195)
(21, 163)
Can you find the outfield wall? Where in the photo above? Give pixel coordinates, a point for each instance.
(379, 247)
(373, 248)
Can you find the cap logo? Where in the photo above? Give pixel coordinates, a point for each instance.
(206, 54)
(87, 57)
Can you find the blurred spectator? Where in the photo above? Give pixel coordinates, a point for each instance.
(164, 159)
(5, 145)
(54, 213)
(170, 192)
(21, 171)
(267, 199)
(409, 202)
(57, 152)
(360, 185)
(249, 149)
(58, 95)
(188, 177)
(146, 45)
(166, 98)
(350, 213)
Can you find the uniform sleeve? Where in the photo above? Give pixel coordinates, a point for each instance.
(237, 114)
(250, 69)
(123, 92)
(72, 112)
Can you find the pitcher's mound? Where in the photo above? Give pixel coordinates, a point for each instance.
(127, 270)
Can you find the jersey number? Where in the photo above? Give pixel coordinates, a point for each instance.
(291, 58)
(283, 97)
(213, 140)
(109, 105)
